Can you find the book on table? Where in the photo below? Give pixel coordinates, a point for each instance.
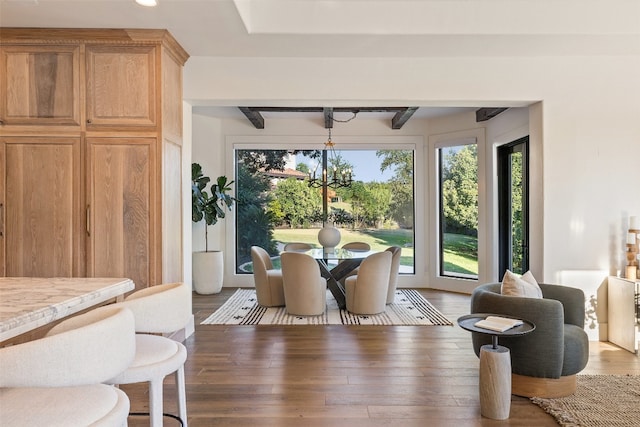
(497, 323)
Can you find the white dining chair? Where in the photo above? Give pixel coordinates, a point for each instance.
(305, 290)
(267, 280)
(297, 247)
(366, 292)
(157, 310)
(396, 253)
(57, 380)
(357, 246)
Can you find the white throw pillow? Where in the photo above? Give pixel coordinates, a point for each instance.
(520, 286)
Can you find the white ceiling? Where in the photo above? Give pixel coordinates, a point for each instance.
(358, 28)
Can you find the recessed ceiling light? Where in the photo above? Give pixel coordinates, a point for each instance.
(147, 2)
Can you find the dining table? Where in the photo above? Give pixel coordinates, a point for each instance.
(29, 303)
(335, 265)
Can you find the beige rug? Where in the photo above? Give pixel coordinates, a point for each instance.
(408, 308)
(599, 401)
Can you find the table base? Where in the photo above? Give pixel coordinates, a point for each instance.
(495, 382)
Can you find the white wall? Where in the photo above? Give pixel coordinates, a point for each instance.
(588, 110)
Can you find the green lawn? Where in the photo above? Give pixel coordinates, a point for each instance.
(460, 252)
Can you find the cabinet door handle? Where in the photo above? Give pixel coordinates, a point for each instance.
(88, 220)
(1, 220)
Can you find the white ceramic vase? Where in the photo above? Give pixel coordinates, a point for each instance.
(208, 272)
(329, 237)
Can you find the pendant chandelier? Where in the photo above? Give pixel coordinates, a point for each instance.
(336, 177)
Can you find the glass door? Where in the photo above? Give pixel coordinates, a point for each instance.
(513, 210)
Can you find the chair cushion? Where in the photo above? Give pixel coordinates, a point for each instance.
(524, 286)
(156, 357)
(95, 405)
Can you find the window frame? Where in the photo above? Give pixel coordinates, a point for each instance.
(306, 142)
(451, 283)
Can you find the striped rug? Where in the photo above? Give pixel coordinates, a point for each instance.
(408, 308)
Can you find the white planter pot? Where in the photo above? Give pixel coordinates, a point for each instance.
(208, 272)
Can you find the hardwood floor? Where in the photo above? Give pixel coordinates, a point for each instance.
(335, 375)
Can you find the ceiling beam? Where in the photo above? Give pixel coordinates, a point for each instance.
(328, 117)
(402, 114)
(484, 114)
(401, 117)
(254, 116)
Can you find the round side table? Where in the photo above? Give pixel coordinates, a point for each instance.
(495, 366)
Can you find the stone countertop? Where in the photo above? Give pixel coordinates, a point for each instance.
(27, 303)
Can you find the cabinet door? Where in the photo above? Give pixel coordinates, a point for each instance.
(40, 85)
(42, 228)
(122, 209)
(121, 86)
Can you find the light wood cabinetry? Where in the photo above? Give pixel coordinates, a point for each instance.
(41, 85)
(91, 154)
(121, 85)
(41, 191)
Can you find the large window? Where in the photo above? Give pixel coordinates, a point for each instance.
(276, 205)
(458, 210)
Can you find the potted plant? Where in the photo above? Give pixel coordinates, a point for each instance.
(210, 206)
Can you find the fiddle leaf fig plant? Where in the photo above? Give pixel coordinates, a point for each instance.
(209, 205)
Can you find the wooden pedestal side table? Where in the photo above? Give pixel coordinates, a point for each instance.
(495, 366)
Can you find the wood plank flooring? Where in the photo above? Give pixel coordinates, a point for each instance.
(336, 375)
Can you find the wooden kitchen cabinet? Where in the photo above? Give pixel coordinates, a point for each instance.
(122, 190)
(91, 154)
(40, 85)
(41, 186)
(121, 85)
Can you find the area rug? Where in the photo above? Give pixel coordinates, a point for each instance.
(408, 308)
(599, 401)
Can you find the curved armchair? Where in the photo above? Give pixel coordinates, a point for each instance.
(56, 380)
(366, 292)
(396, 251)
(545, 362)
(268, 281)
(305, 290)
(297, 247)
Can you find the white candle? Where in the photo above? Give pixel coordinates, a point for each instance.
(631, 238)
(634, 224)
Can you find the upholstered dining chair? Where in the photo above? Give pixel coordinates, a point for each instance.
(57, 380)
(366, 292)
(357, 246)
(544, 363)
(297, 247)
(396, 252)
(268, 281)
(305, 290)
(158, 309)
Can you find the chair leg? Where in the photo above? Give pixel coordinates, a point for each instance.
(182, 398)
(155, 402)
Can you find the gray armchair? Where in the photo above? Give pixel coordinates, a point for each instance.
(545, 362)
